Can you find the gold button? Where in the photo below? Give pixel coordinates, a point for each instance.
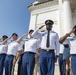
(47, 50)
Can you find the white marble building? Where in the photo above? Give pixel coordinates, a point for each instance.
(62, 12)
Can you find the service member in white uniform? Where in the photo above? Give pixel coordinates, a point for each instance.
(28, 61)
(72, 43)
(3, 51)
(13, 48)
(49, 43)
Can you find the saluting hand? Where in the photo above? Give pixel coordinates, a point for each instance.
(72, 31)
(26, 34)
(10, 37)
(41, 27)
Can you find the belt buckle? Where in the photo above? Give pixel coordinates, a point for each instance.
(47, 50)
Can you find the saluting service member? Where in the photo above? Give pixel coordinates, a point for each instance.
(49, 43)
(71, 41)
(13, 49)
(28, 60)
(3, 52)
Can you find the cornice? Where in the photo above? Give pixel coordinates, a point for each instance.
(42, 5)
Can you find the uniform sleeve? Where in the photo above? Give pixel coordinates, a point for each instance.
(57, 45)
(19, 47)
(38, 43)
(37, 34)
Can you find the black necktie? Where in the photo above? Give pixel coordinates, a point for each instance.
(47, 42)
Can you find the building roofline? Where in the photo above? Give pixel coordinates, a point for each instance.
(39, 5)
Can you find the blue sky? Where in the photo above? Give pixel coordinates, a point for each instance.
(14, 16)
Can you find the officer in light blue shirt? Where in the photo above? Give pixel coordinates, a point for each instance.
(71, 41)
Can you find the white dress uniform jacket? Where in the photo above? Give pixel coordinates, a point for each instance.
(54, 40)
(31, 45)
(3, 48)
(72, 43)
(13, 48)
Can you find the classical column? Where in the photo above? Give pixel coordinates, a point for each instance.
(67, 15)
(33, 21)
(61, 22)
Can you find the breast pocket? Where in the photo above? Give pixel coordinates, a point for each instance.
(52, 40)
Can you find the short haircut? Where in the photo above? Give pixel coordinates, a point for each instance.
(31, 31)
(15, 34)
(4, 36)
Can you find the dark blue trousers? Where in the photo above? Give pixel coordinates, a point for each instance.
(47, 62)
(2, 59)
(28, 63)
(8, 64)
(62, 65)
(73, 64)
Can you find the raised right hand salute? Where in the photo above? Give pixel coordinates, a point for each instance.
(3, 52)
(20, 39)
(71, 41)
(20, 52)
(62, 39)
(49, 43)
(4, 42)
(41, 26)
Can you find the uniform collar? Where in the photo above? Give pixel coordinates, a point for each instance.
(47, 31)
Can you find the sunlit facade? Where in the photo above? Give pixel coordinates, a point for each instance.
(62, 12)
